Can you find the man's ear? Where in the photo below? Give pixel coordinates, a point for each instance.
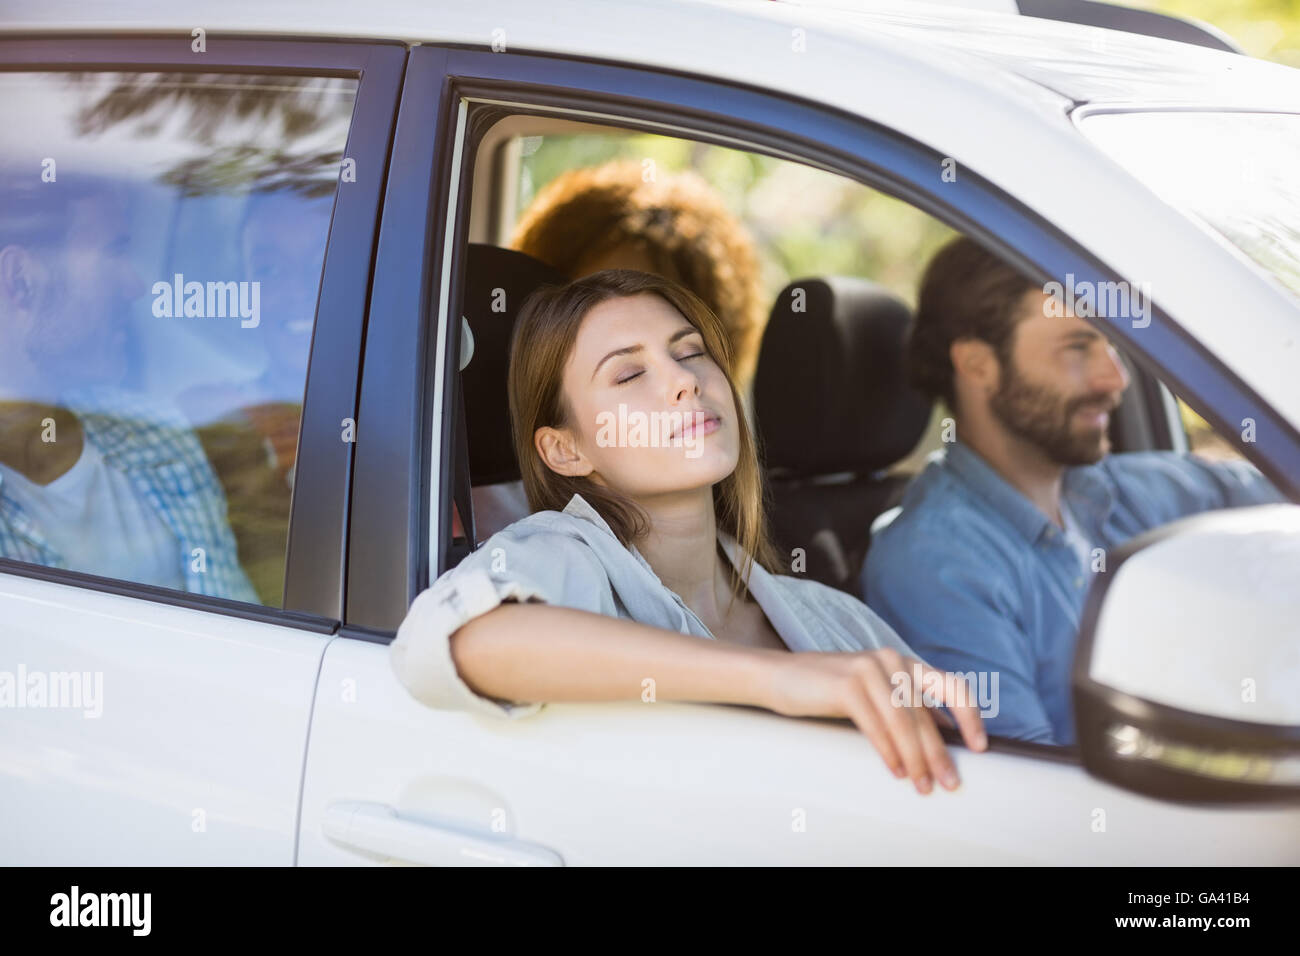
(560, 453)
(975, 362)
(17, 276)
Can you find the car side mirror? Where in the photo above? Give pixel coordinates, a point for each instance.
(1187, 673)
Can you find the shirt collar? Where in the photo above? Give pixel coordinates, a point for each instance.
(762, 585)
(580, 507)
(1089, 493)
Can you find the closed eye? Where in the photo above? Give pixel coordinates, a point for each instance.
(624, 381)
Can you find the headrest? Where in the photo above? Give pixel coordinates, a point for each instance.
(487, 405)
(830, 389)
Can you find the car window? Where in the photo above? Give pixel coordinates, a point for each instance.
(803, 221)
(736, 227)
(161, 244)
(1202, 438)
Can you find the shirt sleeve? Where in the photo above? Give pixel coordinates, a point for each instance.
(551, 568)
(1235, 484)
(1165, 486)
(959, 618)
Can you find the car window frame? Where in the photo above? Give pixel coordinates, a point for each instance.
(398, 503)
(391, 492)
(1145, 421)
(317, 534)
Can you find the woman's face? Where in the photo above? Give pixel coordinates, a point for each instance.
(652, 412)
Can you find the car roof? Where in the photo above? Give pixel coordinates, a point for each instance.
(1003, 53)
(1084, 64)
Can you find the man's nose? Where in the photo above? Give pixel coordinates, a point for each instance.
(1112, 376)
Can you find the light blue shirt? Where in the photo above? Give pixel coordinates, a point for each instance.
(572, 558)
(974, 577)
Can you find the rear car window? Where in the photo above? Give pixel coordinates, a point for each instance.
(162, 238)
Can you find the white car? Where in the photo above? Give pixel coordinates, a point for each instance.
(240, 708)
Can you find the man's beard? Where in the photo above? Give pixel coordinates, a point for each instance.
(1043, 418)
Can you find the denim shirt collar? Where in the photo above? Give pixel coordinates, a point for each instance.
(579, 507)
(1085, 489)
(763, 586)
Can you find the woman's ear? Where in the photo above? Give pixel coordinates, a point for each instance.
(560, 453)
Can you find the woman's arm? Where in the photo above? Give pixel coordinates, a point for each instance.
(544, 652)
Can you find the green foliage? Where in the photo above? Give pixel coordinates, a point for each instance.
(805, 222)
(1265, 28)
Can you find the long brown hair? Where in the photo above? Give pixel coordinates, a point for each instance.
(543, 339)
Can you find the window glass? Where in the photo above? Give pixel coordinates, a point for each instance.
(802, 221)
(1202, 439)
(161, 244)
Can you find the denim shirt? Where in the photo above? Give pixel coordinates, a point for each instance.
(572, 558)
(977, 578)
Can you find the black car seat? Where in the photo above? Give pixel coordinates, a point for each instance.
(497, 493)
(832, 410)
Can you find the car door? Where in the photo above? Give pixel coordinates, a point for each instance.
(156, 700)
(389, 780)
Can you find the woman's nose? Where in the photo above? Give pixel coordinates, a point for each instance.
(685, 385)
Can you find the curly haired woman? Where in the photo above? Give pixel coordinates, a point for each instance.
(675, 226)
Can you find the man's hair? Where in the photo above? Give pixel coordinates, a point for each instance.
(966, 292)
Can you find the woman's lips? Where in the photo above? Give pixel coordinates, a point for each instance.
(698, 429)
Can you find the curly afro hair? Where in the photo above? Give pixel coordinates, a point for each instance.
(677, 221)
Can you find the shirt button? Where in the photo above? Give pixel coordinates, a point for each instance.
(1078, 582)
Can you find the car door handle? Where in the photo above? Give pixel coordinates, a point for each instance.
(378, 828)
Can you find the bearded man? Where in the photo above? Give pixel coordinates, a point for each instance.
(985, 566)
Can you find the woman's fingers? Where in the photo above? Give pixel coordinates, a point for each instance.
(875, 690)
(899, 720)
(868, 721)
(936, 754)
(958, 697)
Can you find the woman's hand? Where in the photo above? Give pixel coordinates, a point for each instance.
(875, 689)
